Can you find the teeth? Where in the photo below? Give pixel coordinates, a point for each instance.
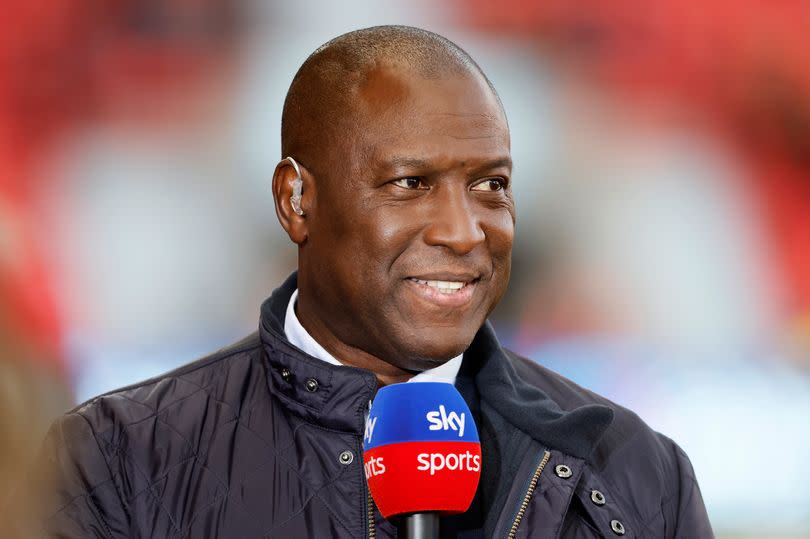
(445, 287)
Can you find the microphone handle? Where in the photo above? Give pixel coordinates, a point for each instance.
(419, 526)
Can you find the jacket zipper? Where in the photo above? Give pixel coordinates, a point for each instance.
(372, 533)
(525, 503)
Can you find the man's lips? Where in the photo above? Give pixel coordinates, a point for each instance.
(459, 275)
(448, 290)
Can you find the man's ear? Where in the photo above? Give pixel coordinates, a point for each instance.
(290, 209)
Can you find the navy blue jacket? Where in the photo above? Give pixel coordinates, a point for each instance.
(237, 445)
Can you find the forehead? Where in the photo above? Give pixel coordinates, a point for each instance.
(402, 113)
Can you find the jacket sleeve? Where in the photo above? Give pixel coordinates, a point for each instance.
(80, 497)
(691, 519)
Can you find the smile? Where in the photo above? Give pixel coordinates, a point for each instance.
(445, 293)
(444, 287)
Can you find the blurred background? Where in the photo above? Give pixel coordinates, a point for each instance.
(662, 176)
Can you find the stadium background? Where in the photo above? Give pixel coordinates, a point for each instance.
(662, 254)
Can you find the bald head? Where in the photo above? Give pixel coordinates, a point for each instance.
(321, 107)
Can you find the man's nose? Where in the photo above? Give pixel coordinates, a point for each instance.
(454, 223)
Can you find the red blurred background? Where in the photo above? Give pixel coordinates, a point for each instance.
(662, 173)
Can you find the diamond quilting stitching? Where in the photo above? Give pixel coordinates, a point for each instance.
(73, 500)
(151, 485)
(276, 455)
(162, 415)
(167, 406)
(316, 489)
(279, 453)
(116, 449)
(315, 494)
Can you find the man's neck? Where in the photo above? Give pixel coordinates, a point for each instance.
(317, 341)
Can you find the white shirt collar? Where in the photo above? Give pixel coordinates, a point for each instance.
(300, 337)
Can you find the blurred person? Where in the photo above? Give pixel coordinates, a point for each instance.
(32, 393)
(395, 186)
(30, 398)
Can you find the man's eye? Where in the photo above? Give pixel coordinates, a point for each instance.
(490, 184)
(410, 183)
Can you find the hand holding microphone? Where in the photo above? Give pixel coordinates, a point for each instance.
(422, 455)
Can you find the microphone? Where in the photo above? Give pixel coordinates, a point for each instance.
(422, 455)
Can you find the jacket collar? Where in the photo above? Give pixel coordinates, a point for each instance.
(341, 398)
(526, 406)
(341, 394)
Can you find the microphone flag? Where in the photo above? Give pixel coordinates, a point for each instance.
(421, 450)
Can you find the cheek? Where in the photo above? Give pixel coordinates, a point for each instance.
(388, 233)
(500, 234)
(499, 228)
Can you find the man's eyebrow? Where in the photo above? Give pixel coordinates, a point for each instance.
(416, 162)
(501, 162)
(407, 162)
(505, 161)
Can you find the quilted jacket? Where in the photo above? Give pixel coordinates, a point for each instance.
(261, 440)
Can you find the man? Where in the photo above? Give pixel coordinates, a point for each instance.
(395, 186)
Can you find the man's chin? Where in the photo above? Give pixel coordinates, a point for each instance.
(417, 343)
(430, 357)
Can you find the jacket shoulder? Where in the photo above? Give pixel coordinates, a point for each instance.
(106, 451)
(658, 464)
(199, 379)
(569, 395)
(627, 438)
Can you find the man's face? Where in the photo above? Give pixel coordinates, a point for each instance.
(410, 237)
